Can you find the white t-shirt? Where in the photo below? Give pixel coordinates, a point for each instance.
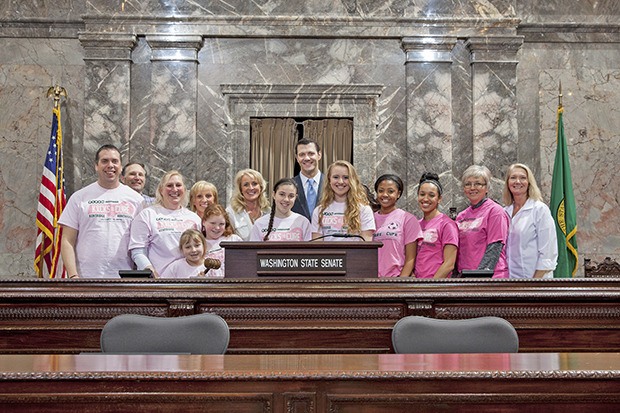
(102, 218)
(333, 221)
(182, 269)
(159, 230)
(295, 227)
(215, 251)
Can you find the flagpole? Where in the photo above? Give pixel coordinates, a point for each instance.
(560, 95)
(52, 198)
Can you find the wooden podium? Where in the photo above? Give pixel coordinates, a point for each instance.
(301, 259)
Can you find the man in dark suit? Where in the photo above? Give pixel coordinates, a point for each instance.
(309, 181)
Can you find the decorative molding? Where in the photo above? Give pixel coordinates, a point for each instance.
(107, 46)
(607, 268)
(246, 313)
(428, 49)
(531, 312)
(174, 47)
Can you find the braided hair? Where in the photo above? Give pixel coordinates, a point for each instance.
(283, 181)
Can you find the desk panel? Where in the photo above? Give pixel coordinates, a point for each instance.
(550, 382)
(311, 316)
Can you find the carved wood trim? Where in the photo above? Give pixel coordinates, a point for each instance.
(531, 312)
(606, 268)
(282, 313)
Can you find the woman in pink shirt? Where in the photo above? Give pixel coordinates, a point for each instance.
(398, 230)
(438, 248)
(483, 226)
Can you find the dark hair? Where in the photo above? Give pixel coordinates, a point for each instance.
(372, 200)
(306, 141)
(433, 178)
(390, 177)
(133, 163)
(106, 147)
(283, 181)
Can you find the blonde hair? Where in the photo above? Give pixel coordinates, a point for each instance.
(533, 191)
(162, 184)
(219, 211)
(192, 235)
(199, 187)
(356, 198)
(237, 201)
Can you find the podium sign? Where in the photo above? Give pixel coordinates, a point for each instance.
(301, 259)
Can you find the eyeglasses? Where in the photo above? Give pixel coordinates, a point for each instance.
(474, 184)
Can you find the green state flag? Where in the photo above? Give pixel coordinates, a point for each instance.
(563, 207)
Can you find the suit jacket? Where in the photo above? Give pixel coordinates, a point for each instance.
(301, 204)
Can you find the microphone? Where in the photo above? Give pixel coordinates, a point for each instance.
(339, 236)
(212, 263)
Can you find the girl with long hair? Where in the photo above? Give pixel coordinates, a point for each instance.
(343, 212)
(282, 224)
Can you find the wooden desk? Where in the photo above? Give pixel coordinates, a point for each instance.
(549, 382)
(311, 316)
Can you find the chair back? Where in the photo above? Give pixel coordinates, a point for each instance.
(140, 334)
(416, 334)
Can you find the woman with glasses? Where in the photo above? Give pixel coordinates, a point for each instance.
(532, 249)
(483, 226)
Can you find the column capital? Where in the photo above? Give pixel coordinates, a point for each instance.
(174, 47)
(107, 46)
(494, 49)
(428, 49)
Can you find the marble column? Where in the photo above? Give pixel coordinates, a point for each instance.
(107, 115)
(173, 104)
(494, 83)
(429, 112)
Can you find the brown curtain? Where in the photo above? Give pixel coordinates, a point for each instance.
(335, 136)
(272, 143)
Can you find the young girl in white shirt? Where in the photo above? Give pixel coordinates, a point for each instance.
(217, 228)
(193, 246)
(282, 224)
(343, 210)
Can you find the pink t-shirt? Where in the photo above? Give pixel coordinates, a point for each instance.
(215, 251)
(295, 227)
(333, 221)
(478, 228)
(437, 233)
(395, 230)
(102, 218)
(159, 230)
(182, 269)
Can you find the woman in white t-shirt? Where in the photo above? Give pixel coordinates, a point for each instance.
(343, 212)
(282, 224)
(156, 231)
(248, 202)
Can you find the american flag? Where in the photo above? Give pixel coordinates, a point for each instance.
(52, 201)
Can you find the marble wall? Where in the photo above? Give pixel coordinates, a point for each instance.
(431, 85)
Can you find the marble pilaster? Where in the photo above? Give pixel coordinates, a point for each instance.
(107, 114)
(494, 119)
(429, 112)
(173, 104)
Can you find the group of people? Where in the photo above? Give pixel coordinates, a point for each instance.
(110, 225)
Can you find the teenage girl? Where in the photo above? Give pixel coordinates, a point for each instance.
(282, 224)
(217, 227)
(398, 230)
(343, 213)
(193, 246)
(437, 250)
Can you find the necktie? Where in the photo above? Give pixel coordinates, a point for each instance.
(311, 195)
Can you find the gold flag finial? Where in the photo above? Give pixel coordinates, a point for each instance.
(56, 92)
(560, 95)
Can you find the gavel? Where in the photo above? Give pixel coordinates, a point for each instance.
(211, 263)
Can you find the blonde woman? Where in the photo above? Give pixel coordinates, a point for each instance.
(156, 231)
(248, 202)
(343, 209)
(202, 195)
(532, 248)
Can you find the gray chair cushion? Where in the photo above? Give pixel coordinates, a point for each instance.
(140, 334)
(416, 334)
